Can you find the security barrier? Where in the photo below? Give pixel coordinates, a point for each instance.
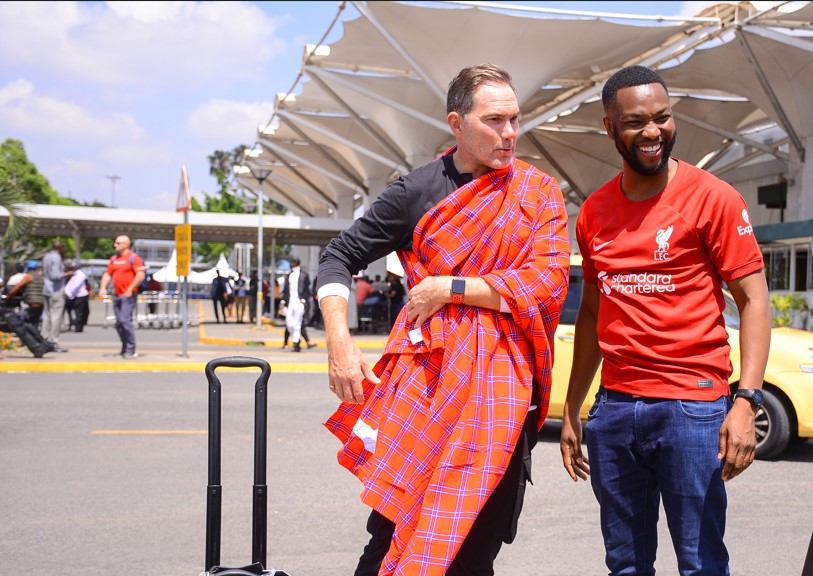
(154, 309)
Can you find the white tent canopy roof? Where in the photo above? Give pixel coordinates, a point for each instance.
(374, 106)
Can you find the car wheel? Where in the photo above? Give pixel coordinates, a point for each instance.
(772, 426)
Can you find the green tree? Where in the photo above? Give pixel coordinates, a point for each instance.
(17, 170)
(23, 184)
(13, 242)
(221, 166)
(786, 307)
(19, 223)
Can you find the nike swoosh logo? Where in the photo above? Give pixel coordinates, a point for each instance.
(597, 247)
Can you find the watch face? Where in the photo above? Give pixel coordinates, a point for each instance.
(757, 397)
(458, 286)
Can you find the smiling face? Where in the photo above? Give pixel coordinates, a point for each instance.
(641, 125)
(486, 136)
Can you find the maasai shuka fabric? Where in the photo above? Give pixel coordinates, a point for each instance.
(431, 442)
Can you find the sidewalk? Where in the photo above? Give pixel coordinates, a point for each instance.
(96, 349)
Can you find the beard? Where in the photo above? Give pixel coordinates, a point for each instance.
(631, 158)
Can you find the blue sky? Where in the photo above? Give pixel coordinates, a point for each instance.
(138, 89)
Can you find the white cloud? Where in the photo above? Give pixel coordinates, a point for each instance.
(23, 110)
(132, 43)
(132, 154)
(695, 8)
(228, 121)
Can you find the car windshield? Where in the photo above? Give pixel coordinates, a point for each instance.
(574, 296)
(731, 312)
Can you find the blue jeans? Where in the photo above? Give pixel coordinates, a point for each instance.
(123, 308)
(645, 449)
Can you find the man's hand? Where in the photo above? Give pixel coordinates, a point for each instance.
(570, 444)
(346, 365)
(426, 298)
(738, 439)
(346, 370)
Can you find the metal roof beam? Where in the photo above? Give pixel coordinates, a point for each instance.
(266, 143)
(729, 135)
(576, 96)
(581, 196)
(337, 79)
(319, 148)
(300, 119)
(427, 79)
(322, 197)
(363, 124)
(766, 86)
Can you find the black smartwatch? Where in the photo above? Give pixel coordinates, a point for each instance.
(458, 290)
(753, 396)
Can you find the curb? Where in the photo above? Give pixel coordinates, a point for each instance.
(120, 367)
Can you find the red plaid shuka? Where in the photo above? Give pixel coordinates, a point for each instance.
(432, 441)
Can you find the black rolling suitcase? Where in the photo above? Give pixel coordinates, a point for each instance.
(13, 320)
(260, 492)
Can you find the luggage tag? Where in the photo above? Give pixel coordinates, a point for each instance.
(415, 336)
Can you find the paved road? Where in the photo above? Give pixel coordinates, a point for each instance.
(105, 473)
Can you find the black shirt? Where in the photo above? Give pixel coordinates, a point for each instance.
(389, 223)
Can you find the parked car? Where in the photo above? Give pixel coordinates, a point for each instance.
(787, 410)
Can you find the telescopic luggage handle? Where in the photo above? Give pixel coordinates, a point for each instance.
(214, 489)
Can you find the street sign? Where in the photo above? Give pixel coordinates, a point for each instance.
(183, 203)
(183, 248)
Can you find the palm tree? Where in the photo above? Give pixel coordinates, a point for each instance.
(19, 222)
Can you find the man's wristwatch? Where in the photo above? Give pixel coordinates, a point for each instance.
(458, 290)
(753, 396)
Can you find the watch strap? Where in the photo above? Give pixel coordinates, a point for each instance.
(458, 290)
(753, 396)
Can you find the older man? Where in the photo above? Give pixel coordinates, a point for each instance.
(440, 431)
(54, 274)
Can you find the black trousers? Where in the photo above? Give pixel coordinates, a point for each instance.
(80, 310)
(496, 523)
(221, 303)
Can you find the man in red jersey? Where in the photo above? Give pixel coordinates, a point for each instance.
(126, 269)
(658, 241)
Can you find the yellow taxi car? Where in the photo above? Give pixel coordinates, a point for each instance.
(787, 410)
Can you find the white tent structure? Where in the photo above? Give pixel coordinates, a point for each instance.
(207, 276)
(168, 272)
(371, 105)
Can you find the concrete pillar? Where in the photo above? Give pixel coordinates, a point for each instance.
(800, 184)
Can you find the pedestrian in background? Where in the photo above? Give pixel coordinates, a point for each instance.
(154, 286)
(28, 289)
(240, 297)
(126, 270)
(295, 293)
(396, 294)
(253, 283)
(53, 291)
(218, 295)
(77, 297)
(15, 300)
